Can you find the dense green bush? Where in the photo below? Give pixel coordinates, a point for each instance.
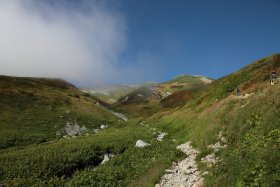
(73, 161)
(125, 168)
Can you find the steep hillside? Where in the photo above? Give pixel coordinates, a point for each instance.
(250, 124)
(190, 79)
(251, 78)
(141, 102)
(145, 100)
(179, 98)
(33, 110)
(182, 82)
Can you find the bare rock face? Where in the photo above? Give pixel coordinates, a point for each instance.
(141, 143)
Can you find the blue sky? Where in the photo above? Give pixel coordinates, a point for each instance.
(93, 42)
(212, 38)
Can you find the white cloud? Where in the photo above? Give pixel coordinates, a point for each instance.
(78, 44)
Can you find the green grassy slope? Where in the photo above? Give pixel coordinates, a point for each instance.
(183, 82)
(251, 78)
(184, 79)
(251, 125)
(33, 110)
(76, 161)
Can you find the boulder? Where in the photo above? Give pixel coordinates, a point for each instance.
(107, 158)
(141, 143)
(103, 126)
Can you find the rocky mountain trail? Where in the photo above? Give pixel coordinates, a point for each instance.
(184, 173)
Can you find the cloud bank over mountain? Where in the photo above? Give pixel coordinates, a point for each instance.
(79, 42)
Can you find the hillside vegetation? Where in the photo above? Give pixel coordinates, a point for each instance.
(31, 111)
(250, 123)
(76, 161)
(32, 154)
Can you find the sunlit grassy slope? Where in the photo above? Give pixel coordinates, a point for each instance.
(251, 124)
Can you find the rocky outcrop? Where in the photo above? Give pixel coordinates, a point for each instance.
(71, 129)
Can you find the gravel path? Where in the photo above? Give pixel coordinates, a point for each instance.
(185, 173)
